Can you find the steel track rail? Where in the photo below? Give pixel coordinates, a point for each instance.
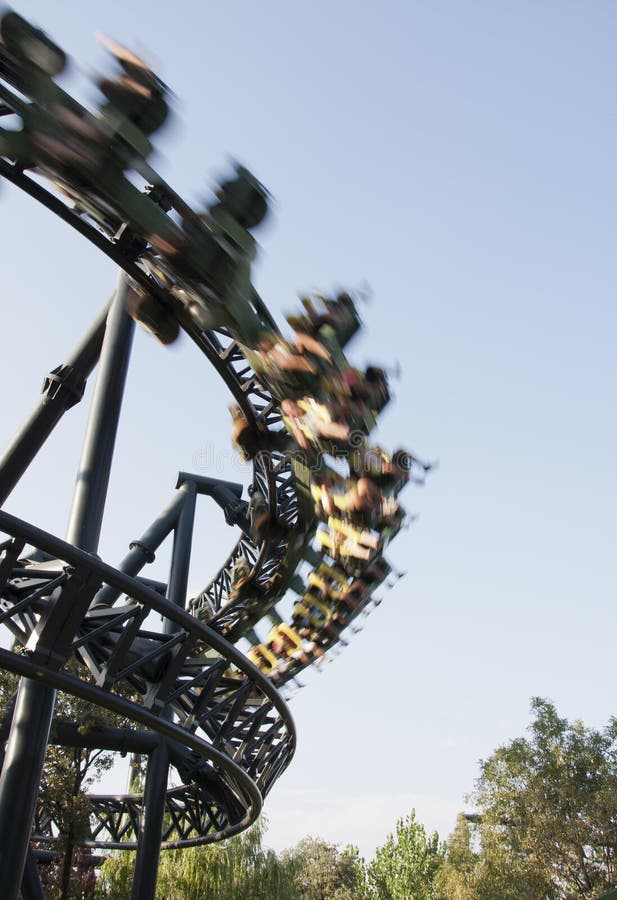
(231, 734)
(273, 470)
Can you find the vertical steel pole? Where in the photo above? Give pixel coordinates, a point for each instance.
(62, 389)
(181, 553)
(90, 494)
(31, 887)
(19, 782)
(149, 843)
(143, 550)
(25, 751)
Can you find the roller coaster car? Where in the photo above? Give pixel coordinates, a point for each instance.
(287, 371)
(349, 555)
(325, 589)
(300, 619)
(360, 503)
(250, 438)
(355, 534)
(328, 319)
(390, 472)
(283, 640)
(263, 658)
(30, 45)
(356, 597)
(330, 632)
(343, 317)
(138, 96)
(241, 576)
(244, 198)
(200, 256)
(391, 523)
(314, 427)
(245, 437)
(150, 312)
(132, 114)
(375, 388)
(376, 573)
(318, 612)
(259, 516)
(121, 128)
(333, 575)
(323, 499)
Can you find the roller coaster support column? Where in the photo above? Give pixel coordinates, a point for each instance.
(25, 751)
(62, 389)
(149, 843)
(90, 494)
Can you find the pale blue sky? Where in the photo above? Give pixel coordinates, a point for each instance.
(460, 158)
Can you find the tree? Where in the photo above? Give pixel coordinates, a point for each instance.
(239, 867)
(470, 874)
(457, 878)
(547, 821)
(320, 871)
(68, 772)
(405, 868)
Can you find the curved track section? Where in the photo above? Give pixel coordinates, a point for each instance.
(229, 733)
(274, 472)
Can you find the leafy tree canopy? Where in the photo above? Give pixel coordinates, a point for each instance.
(320, 871)
(406, 866)
(547, 822)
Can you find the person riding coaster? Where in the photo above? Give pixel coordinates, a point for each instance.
(327, 319)
(357, 500)
(136, 99)
(310, 424)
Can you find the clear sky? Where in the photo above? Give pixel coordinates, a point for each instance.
(459, 157)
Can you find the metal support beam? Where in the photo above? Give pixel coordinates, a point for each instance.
(19, 783)
(31, 887)
(227, 494)
(25, 752)
(181, 553)
(149, 843)
(90, 494)
(62, 389)
(142, 551)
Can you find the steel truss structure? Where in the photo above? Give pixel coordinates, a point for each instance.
(196, 706)
(199, 706)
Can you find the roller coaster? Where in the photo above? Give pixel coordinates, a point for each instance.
(206, 691)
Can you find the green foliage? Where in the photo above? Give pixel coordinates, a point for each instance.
(242, 869)
(320, 871)
(486, 874)
(115, 877)
(547, 817)
(68, 773)
(405, 868)
(546, 829)
(238, 868)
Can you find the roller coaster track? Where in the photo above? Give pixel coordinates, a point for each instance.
(275, 472)
(79, 625)
(239, 769)
(188, 671)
